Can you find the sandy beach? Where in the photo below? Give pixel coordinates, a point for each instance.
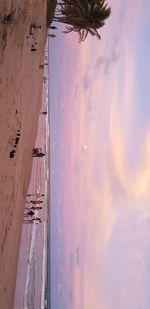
(20, 101)
(32, 262)
(32, 266)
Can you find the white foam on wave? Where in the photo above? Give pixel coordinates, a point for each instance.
(47, 174)
(30, 258)
(29, 265)
(44, 256)
(44, 266)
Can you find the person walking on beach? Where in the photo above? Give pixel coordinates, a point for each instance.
(33, 49)
(36, 150)
(29, 213)
(34, 208)
(33, 202)
(33, 27)
(36, 194)
(39, 154)
(41, 66)
(38, 220)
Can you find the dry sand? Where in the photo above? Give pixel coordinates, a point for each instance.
(20, 100)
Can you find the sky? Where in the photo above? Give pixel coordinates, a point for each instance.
(100, 163)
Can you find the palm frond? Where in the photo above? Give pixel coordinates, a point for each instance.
(83, 16)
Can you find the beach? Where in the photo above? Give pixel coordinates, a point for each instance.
(20, 103)
(32, 262)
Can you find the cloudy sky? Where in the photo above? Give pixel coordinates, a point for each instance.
(101, 157)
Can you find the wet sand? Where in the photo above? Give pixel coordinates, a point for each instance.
(20, 101)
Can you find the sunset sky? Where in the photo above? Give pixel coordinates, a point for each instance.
(100, 143)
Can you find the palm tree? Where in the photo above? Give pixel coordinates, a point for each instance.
(82, 16)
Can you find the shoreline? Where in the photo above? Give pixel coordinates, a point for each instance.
(32, 263)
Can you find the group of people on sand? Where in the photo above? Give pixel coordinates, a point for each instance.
(31, 210)
(31, 35)
(16, 141)
(9, 19)
(33, 28)
(38, 220)
(37, 152)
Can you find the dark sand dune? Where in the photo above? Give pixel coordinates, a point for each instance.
(20, 100)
